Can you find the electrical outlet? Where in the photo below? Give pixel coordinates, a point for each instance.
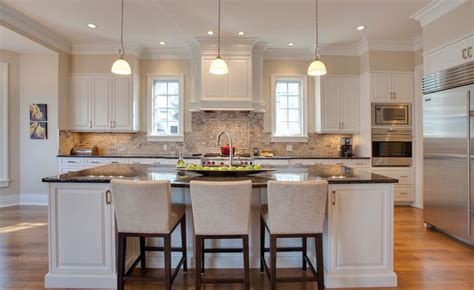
(289, 148)
(165, 147)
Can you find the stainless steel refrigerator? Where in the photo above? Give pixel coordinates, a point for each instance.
(448, 136)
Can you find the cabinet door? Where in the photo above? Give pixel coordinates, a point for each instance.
(214, 87)
(239, 79)
(381, 87)
(330, 104)
(101, 100)
(122, 103)
(447, 57)
(349, 99)
(402, 86)
(80, 102)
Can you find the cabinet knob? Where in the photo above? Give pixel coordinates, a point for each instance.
(333, 197)
(464, 53)
(90, 124)
(469, 52)
(108, 197)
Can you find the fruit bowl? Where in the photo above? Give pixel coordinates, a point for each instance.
(225, 171)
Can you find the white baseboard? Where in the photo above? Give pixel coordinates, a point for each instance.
(23, 199)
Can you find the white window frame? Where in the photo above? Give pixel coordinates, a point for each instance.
(4, 176)
(165, 138)
(304, 108)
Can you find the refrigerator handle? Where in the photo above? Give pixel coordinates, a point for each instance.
(469, 131)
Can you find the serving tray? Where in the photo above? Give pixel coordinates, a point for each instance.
(226, 173)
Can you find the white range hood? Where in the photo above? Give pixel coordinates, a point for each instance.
(241, 88)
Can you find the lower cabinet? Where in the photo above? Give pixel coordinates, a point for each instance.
(404, 189)
(81, 233)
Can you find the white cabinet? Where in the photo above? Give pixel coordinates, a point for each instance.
(104, 103)
(404, 188)
(354, 163)
(391, 87)
(337, 104)
(271, 162)
(356, 212)
(449, 56)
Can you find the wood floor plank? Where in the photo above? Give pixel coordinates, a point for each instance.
(423, 259)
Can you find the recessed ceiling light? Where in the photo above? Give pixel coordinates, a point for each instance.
(210, 32)
(162, 43)
(361, 27)
(92, 25)
(241, 33)
(291, 44)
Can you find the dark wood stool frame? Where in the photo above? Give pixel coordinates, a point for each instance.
(318, 276)
(169, 277)
(201, 250)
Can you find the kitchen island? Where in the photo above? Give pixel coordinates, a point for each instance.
(358, 235)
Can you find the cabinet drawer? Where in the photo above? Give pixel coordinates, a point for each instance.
(404, 176)
(403, 193)
(149, 161)
(101, 161)
(71, 161)
(307, 162)
(357, 163)
(67, 169)
(271, 161)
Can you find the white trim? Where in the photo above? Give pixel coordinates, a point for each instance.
(4, 174)
(435, 10)
(366, 45)
(304, 107)
(9, 200)
(33, 28)
(165, 53)
(342, 280)
(105, 48)
(446, 44)
(33, 199)
(165, 77)
(418, 42)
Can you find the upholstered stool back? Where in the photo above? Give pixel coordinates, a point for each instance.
(221, 208)
(297, 207)
(142, 206)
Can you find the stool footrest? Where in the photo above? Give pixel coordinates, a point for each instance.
(222, 280)
(286, 249)
(162, 249)
(223, 250)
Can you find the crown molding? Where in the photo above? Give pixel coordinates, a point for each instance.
(365, 45)
(418, 42)
(32, 28)
(435, 10)
(165, 53)
(105, 48)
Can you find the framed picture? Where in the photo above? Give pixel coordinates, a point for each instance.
(38, 130)
(38, 113)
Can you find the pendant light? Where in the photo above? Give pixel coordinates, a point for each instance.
(317, 67)
(218, 66)
(121, 66)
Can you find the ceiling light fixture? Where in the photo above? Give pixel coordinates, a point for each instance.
(291, 44)
(317, 67)
(121, 66)
(241, 33)
(92, 25)
(210, 32)
(218, 66)
(162, 43)
(361, 27)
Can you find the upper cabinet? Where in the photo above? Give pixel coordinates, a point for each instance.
(448, 56)
(104, 103)
(392, 87)
(337, 104)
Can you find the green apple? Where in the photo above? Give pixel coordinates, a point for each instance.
(257, 167)
(191, 166)
(249, 167)
(199, 167)
(206, 168)
(240, 168)
(223, 168)
(232, 168)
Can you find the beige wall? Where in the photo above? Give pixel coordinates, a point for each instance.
(63, 76)
(364, 65)
(99, 63)
(13, 60)
(449, 27)
(335, 65)
(419, 57)
(391, 61)
(165, 67)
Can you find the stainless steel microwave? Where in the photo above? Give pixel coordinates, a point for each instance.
(391, 114)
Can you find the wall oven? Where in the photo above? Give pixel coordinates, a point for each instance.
(391, 114)
(391, 147)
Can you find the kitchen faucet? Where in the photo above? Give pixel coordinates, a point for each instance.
(231, 151)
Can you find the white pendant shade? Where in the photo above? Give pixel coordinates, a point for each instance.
(121, 67)
(218, 67)
(317, 68)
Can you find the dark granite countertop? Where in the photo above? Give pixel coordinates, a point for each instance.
(334, 174)
(198, 157)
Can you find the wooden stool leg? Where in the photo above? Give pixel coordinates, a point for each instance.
(262, 243)
(203, 257)
(245, 242)
(121, 260)
(305, 249)
(167, 250)
(273, 262)
(184, 244)
(318, 241)
(198, 249)
(142, 254)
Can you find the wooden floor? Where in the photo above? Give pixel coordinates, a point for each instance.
(423, 259)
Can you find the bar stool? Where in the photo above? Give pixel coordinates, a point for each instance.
(221, 210)
(143, 209)
(294, 210)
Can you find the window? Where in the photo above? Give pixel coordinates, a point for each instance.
(4, 182)
(165, 108)
(289, 109)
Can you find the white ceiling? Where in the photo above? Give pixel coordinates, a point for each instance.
(12, 41)
(277, 22)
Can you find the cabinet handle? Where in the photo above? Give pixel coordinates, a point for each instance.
(110, 124)
(464, 53)
(90, 124)
(403, 192)
(469, 49)
(333, 197)
(70, 161)
(95, 162)
(114, 162)
(108, 197)
(342, 125)
(403, 176)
